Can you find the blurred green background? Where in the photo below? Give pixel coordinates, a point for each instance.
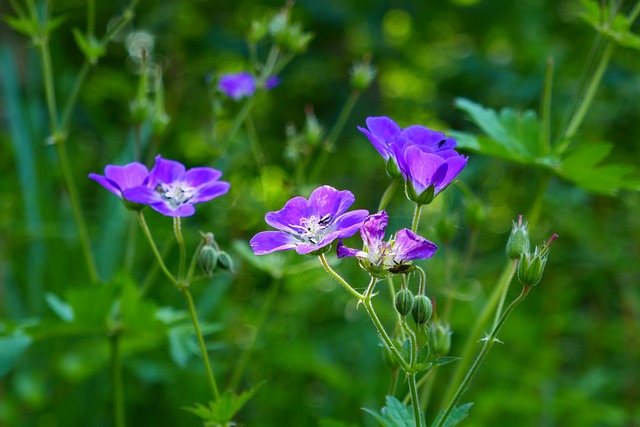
(571, 352)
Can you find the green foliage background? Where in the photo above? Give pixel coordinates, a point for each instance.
(571, 352)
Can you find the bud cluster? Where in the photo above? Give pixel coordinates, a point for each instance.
(211, 257)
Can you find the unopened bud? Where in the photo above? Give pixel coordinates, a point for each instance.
(440, 338)
(531, 266)
(423, 198)
(422, 309)
(208, 259)
(518, 243)
(362, 75)
(225, 261)
(404, 302)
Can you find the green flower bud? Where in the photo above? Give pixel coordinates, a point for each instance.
(518, 243)
(440, 338)
(257, 31)
(208, 259)
(139, 109)
(362, 75)
(225, 261)
(392, 169)
(422, 309)
(313, 130)
(531, 266)
(404, 302)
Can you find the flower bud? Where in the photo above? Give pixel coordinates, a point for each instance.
(313, 130)
(531, 266)
(362, 75)
(257, 31)
(225, 261)
(392, 169)
(208, 259)
(440, 338)
(518, 243)
(422, 309)
(404, 302)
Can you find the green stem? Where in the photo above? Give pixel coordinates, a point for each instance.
(488, 343)
(590, 92)
(116, 371)
(244, 360)
(415, 401)
(177, 230)
(538, 201)
(463, 364)
(154, 248)
(49, 88)
(254, 143)
(388, 194)
(368, 305)
(416, 218)
(203, 347)
(329, 143)
(345, 285)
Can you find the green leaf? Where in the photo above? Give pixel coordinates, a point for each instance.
(222, 411)
(59, 307)
(330, 422)
(182, 344)
(581, 167)
(21, 25)
(511, 136)
(457, 415)
(394, 414)
(406, 350)
(617, 31)
(89, 46)
(11, 348)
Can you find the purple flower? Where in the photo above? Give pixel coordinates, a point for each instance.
(172, 190)
(425, 159)
(243, 84)
(118, 179)
(380, 258)
(310, 225)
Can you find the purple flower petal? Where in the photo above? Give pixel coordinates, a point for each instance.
(182, 210)
(343, 251)
(165, 171)
(381, 132)
(211, 191)
(409, 246)
(327, 200)
(270, 241)
(373, 230)
(420, 167)
(238, 85)
(346, 225)
(119, 178)
(196, 177)
(142, 194)
(423, 136)
(289, 218)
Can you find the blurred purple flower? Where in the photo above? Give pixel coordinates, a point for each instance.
(310, 225)
(243, 84)
(425, 159)
(172, 190)
(118, 179)
(380, 258)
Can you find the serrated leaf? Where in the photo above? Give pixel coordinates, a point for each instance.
(394, 414)
(511, 135)
(581, 167)
(59, 307)
(406, 350)
(181, 344)
(11, 348)
(222, 411)
(457, 415)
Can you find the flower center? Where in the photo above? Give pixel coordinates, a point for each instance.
(313, 229)
(175, 194)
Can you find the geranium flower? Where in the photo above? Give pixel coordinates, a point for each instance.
(243, 84)
(382, 259)
(385, 134)
(172, 190)
(425, 159)
(117, 179)
(310, 225)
